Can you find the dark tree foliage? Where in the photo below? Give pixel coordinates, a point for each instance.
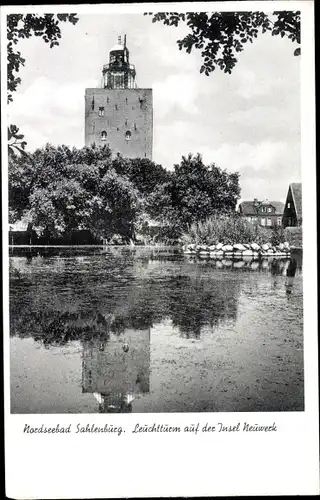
(21, 26)
(220, 36)
(146, 175)
(194, 192)
(62, 190)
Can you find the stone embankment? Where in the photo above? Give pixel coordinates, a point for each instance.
(238, 250)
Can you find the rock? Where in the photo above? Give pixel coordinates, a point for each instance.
(270, 251)
(247, 246)
(237, 254)
(255, 246)
(239, 246)
(227, 248)
(239, 264)
(254, 265)
(286, 245)
(202, 248)
(280, 246)
(228, 254)
(227, 263)
(265, 246)
(212, 248)
(247, 258)
(247, 253)
(219, 246)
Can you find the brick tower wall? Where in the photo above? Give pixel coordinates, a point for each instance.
(124, 110)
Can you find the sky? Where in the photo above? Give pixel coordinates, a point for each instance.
(246, 122)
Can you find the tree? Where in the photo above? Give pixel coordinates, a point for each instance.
(195, 192)
(146, 175)
(220, 36)
(63, 189)
(19, 27)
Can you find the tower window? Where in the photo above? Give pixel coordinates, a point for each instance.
(103, 135)
(128, 135)
(126, 100)
(126, 122)
(92, 104)
(116, 106)
(117, 129)
(101, 111)
(107, 100)
(135, 126)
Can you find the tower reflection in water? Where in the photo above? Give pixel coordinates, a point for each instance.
(117, 369)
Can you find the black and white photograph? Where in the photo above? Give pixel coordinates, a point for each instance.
(155, 190)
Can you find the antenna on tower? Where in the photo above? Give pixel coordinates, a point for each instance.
(125, 41)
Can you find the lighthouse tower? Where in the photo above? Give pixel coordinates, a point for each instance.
(120, 114)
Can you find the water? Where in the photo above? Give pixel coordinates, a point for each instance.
(140, 330)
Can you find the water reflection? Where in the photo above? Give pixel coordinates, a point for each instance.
(108, 302)
(117, 370)
(291, 272)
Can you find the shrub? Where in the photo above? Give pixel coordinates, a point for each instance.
(277, 235)
(221, 228)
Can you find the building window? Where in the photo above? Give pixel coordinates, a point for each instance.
(107, 100)
(288, 205)
(279, 221)
(116, 106)
(126, 122)
(128, 135)
(263, 221)
(269, 209)
(117, 129)
(101, 111)
(269, 221)
(126, 100)
(103, 135)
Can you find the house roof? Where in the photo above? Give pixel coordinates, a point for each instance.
(296, 190)
(20, 225)
(248, 208)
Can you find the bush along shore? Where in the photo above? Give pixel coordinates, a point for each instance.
(238, 250)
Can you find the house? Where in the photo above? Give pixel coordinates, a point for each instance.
(22, 233)
(292, 215)
(265, 213)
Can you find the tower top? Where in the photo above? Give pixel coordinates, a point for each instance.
(119, 73)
